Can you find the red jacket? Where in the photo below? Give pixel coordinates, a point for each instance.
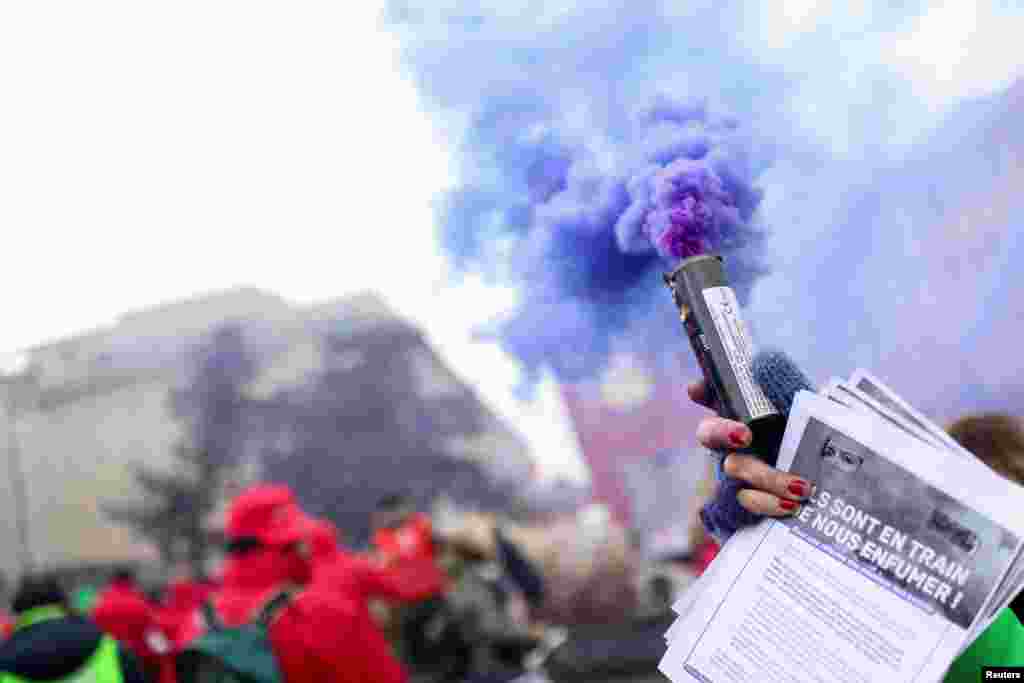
(414, 540)
(178, 620)
(355, 580)
(163, 665)
(124, 612)
(181, 612)
(361, 579)
(319, 636)
(6, 625)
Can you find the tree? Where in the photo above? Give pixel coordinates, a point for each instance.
(213, 409)
(174, 507)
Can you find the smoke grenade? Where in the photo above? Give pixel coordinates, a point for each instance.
(710, 313)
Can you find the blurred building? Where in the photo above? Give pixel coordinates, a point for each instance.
(84, 409)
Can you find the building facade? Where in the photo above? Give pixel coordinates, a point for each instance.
(83, 411)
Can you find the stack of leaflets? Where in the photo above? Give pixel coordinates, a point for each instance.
(907, 550)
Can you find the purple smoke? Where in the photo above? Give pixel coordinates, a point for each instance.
(694, 195)
(580, 206)
(601, 219)
(686, 212)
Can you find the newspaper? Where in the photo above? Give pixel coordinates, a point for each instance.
(886, 574)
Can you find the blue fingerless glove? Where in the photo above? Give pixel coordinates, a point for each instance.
(723, 516)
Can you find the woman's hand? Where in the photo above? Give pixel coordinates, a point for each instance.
(758, 488)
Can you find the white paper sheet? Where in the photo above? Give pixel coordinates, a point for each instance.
(784, 600)
(885, 399)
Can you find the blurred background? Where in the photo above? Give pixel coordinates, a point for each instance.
(251, 242)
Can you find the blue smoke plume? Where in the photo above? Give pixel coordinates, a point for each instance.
(596, 234)
(596, 143)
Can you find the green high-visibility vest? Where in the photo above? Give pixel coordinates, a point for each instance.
(85, 599)
(104, 666)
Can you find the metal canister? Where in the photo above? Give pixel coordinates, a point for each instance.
(724, 349)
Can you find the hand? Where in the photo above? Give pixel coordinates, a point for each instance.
(758, 488)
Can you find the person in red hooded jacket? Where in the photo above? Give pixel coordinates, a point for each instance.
(357, 580)
(179, 622)
(359, 577)
(400, 533)
(404, 539)
(318, 635)
(125, 613)
(180, 613)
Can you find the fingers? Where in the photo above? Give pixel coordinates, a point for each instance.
(698, 392)
(720, 434)
(762, 503)
(770, 492)
(764, 479)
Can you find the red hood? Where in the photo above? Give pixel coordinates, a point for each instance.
(412, 540)
(185, 594)
(262, 568)
(324, 541)
(250, 580)
(124, 602)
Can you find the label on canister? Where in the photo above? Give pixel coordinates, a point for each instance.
(739, 347)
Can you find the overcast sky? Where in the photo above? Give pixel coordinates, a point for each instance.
(149, 152)
(153, 151)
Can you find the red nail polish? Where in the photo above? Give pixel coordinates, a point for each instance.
(787, 505)
(738, 437)
(798, 488)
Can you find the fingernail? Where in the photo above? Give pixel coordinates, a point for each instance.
(739, 436)
(798, 488)
(787, 505)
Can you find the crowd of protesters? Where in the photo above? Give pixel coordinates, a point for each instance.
(417, 605)
(326, 623)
